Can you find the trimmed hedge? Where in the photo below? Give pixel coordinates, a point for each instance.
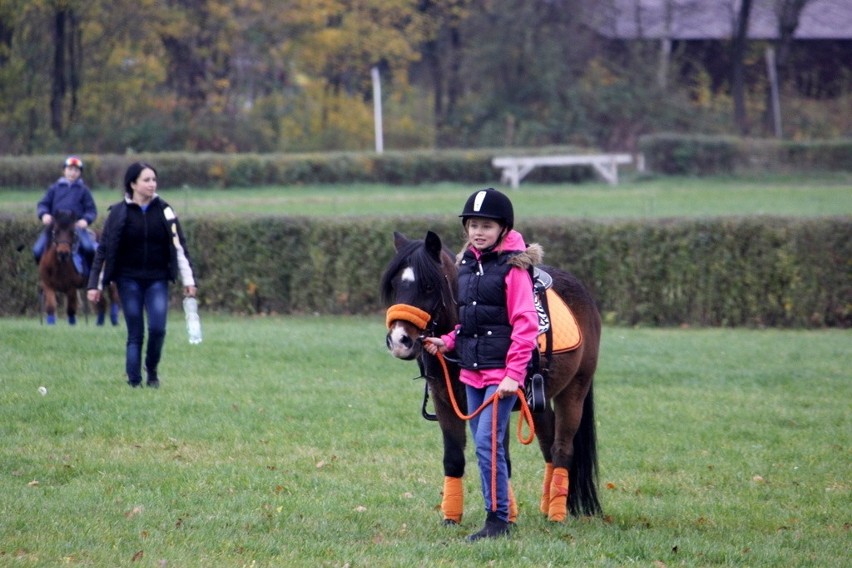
(207, 170)
(764, 271)
(714, 155)
(664, 153)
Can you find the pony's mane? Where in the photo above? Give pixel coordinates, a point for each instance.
(64, 218)
(414, 254)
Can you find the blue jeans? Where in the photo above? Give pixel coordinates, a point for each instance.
(138, 296)
(481, 428)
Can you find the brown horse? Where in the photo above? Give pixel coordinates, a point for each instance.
(421, 280)
(56, 269)
(59, 274)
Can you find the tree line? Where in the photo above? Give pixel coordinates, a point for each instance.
(295, 75)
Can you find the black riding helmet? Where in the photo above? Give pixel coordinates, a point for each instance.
(490, 204)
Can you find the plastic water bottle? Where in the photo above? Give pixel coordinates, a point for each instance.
(193, 322)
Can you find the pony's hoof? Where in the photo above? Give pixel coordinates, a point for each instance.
(449, 523)
(51, 320)
(100, 320)
(72, 320)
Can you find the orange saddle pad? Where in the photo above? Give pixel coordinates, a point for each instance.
(566, 332)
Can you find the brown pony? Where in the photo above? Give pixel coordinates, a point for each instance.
(58, 273)
(56, 269)
(421, 280)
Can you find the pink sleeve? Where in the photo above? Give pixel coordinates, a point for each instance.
(524, 320)
(450, 339)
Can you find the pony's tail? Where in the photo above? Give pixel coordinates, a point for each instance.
(583, 474)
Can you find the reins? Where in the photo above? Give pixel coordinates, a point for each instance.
(493, 399)
(420, 319)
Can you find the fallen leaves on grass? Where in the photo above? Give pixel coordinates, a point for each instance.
(134, 511)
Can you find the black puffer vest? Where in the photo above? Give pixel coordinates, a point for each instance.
(107, 255)
(485, 335)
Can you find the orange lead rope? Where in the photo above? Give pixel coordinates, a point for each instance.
(525, 409)
(420, 318)
(525, 412)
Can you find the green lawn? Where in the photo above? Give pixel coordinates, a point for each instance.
(298, 442)
(811, 196)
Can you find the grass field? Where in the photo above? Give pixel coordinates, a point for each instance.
(298, 442)
(810, 196)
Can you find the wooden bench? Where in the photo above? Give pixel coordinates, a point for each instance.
(515, 168)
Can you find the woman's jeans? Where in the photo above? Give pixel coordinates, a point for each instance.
(481, 427)
(138, 296)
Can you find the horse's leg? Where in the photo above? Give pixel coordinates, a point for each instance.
(544, 432)
(114, 303)
(568, 411)
(50, 304)
(454, 437)
(71, 306)
(100, 311)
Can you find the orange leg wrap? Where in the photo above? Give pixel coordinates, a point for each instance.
(558, 495)
(544, 506)
(513, 506)
(452, 504)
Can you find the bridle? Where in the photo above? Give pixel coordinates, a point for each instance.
(427, 326)
(421, 319)
(64, 241)
(405, 312)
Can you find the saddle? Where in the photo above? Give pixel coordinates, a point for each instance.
(558, 333)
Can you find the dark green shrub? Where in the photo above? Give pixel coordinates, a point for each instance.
(761, 271)
(721, 155)
(212, 170)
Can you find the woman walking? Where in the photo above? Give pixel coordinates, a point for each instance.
(142, 249)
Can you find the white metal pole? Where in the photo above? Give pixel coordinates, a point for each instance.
(377, 109)
(775, 99)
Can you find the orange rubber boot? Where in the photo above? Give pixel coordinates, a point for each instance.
(558, 495)
(452, 504)
(513, 506)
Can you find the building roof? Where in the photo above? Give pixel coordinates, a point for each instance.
(713, 19)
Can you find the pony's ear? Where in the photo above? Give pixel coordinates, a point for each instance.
(399, 240)
(433, 245)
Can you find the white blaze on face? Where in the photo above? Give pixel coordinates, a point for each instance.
(398, 340)
(396, 343)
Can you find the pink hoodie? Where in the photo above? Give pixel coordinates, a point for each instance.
(522, 317)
